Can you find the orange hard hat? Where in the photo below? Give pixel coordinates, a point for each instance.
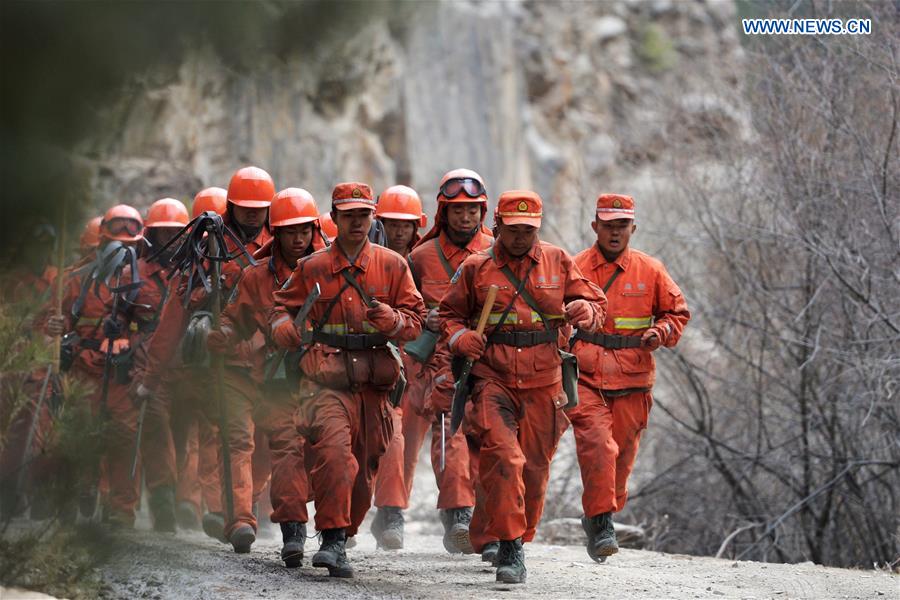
(122, 223)
(167, 212)
(251, 187)
(292, 206)
(328, 226)
(401, 202)
(90, 237)
(471, 190)
(209, 199)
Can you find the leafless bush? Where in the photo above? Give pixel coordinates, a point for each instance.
(782, 437)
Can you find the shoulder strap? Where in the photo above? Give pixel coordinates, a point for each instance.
(321, 324)
(165, 295)
(520, 290)
(612, 279)
(416, 279)
(446, 263)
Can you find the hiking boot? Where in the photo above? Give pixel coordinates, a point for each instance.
(601, 534)
(162, 509)
(511, 562)
(489, 553)
(387, 527)
(214, 526)
(293, 533)
(186, 516)
(332, 554)
(242, 538)
(456, 530)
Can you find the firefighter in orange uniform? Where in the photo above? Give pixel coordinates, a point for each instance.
(165, 218)
(87, 311)
(179, 440)
(293, 218)
(646, 310)
(249, 194)
(517, 404)
(400, 212)
(368, 299)
(458, 233)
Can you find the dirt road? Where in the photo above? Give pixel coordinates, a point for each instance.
(189, 566)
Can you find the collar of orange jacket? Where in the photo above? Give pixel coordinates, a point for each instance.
(339, 260)
(622, 260)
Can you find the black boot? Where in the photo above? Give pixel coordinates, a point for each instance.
(387, 527)
(511, 562)
(242, 538)
(601, 534)
(214, 526)
(162, 509)
(456, 530)
(489, 553)
(293, 533)
(186, 516)
(332, 554)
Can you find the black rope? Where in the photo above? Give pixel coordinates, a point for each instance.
(192, 255)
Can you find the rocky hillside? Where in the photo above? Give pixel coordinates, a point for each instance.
(569, 99)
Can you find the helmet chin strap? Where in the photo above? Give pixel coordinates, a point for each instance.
(249, 233)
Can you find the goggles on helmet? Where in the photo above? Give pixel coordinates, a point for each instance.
(462, 185)
(121, 225)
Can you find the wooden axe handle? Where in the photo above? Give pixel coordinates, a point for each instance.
(486, 309)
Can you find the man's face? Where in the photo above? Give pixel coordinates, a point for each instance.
(463, 217)
(353, 224)
(613, 236)
(399, 234)
(251, 218)
(163, 235)
(517, 240)
(293, 240)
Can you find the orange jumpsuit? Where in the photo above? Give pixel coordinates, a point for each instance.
(516, 412)
(432, 392)
(237, 385)
(123, 492)
(615, 383)
(273, 410)
(345, 413)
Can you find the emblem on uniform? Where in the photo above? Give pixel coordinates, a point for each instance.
(356, 193)
(523, 206)
(456, 275)
(617, 203)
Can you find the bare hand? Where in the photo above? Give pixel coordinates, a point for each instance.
(56, 325)
(432, 322)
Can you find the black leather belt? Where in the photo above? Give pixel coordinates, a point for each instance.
(360, 341)
(524, 339)
(613, 342)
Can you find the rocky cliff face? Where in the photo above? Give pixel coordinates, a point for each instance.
(569, 99)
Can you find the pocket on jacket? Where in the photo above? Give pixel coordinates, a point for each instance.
(633, 360)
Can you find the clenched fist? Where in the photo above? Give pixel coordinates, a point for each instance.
(220, 340)
(382, 317)
(56, 325)
(471, 344)
(286, 335)
(651, 339)
(580, 314)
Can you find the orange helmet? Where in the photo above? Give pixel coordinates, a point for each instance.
(251, 187)
(292, 206)
(462, 185)
(328, 226)
(167, 212)
(122, 223)
(401, 202)
(211, 198)
(90, 237)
